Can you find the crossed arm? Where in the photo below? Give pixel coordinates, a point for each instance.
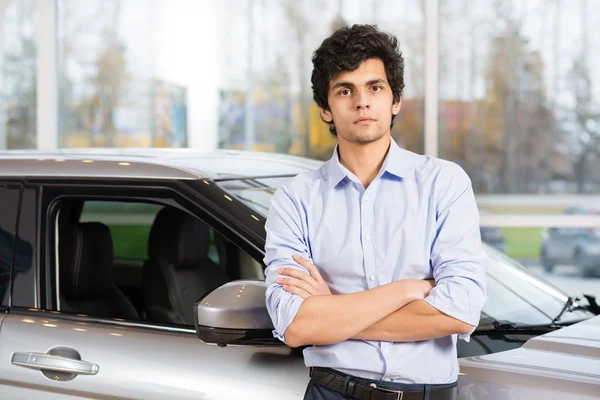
(403, 311)
(394, 312)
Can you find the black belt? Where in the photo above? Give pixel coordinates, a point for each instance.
(361, 389)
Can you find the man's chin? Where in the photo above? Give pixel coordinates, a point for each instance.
(365, 137)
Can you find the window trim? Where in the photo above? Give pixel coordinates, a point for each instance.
(154, 326)
(11, 185)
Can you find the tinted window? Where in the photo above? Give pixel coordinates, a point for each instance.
(130, 224)
(9, 200)
(256, 193)
(25, 257)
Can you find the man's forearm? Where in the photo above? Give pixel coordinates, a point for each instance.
(413, 322)
(331, 319)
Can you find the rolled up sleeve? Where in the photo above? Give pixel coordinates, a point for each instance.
(457, 257)
(285, 239)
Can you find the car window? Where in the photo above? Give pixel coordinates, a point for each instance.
(165, 259)
(130, 224)
(256, 193)
(9, 200)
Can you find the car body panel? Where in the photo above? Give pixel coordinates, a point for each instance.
(140, 363)
(560, 364)
(150, 163)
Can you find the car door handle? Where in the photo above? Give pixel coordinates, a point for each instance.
(54, 363)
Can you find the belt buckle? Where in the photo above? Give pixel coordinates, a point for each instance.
(399, 393)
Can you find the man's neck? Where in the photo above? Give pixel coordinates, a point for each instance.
(364, 160)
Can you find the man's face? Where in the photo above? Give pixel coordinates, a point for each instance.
(361, 103)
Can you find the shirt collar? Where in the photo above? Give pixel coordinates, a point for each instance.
(398, 162)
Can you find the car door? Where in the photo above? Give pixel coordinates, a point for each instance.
(46, 353)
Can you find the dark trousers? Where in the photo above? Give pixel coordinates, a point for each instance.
(315, 391)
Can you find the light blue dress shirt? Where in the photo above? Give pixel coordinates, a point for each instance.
(417, 219)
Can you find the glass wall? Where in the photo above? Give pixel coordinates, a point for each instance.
(111, 92)
(520, 94)
(138, 73)
(265, 55)
(17, 74)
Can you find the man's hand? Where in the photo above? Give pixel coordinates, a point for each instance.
(421, 287)
(301, 283)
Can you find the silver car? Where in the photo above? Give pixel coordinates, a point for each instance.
(131, 274)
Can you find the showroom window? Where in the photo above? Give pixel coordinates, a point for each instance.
(266, 51)
(519, 100)
(133, 74)
(507, 89)
(519, 96)
(18, 94)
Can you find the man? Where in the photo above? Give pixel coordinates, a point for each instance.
(353, 248)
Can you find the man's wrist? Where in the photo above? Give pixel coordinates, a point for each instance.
(408, 290)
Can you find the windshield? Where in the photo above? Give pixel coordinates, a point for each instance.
(256, 193)
(514, 294)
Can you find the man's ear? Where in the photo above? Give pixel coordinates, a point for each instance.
(396, 107)
(326, 115)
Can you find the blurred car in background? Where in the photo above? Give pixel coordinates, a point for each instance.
(494, 237)
(572, 246)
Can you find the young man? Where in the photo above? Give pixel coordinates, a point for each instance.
(375, 259)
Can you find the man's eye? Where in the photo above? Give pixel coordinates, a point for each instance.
(345, 92)
(376, 88)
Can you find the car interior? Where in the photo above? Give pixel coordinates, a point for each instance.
(185, 259)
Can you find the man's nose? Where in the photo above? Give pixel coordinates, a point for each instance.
(362, 101)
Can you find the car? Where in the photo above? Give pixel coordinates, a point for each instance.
(573, 246)
(138, 274)
(494, 237)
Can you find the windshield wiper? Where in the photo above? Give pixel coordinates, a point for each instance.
(503, 326)
(509, 331)
(572, 304)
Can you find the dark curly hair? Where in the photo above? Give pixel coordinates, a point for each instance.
(345, 50)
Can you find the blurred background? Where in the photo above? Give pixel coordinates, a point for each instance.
(508, 89)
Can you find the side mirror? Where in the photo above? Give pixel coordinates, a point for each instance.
(235, 313)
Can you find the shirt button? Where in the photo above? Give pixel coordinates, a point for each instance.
(372, 277)
(366, 198)
(367, 238)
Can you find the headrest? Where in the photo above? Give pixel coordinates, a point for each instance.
(86, 256)
(179, 238)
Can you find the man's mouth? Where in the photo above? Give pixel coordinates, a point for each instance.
(364, 120)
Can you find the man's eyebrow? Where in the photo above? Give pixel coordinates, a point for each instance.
(351, 85)
(376, 81)
(342, 84)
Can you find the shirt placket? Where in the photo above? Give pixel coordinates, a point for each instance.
(368, 239)
(372, 271)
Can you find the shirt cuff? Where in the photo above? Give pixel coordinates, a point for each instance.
(286, 311)
(455, 304)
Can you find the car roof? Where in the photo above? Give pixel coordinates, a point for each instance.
(149, 163)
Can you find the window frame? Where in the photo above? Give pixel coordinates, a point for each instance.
(178, 194)
(11, 185)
